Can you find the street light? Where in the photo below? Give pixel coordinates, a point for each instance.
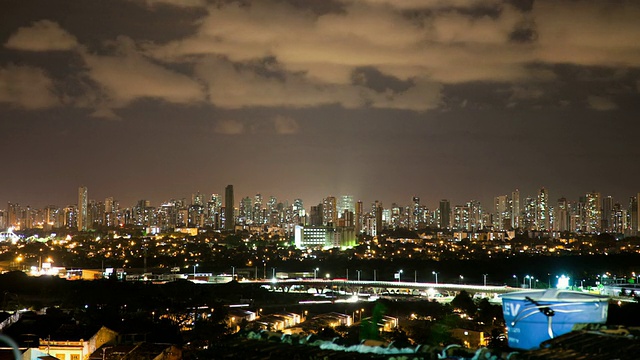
(399, 273)
(315, 273)
(461, 278)
(436, 274)
(485, 279)
(529, 277)
(194, 270)
(358, 271)
(273, 272)
(233, 273)
(517, 281)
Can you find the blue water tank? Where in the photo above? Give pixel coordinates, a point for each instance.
(535, 316)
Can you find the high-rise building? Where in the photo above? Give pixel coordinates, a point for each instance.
(82, 208)
(359, 216)
(461, 218)
(346, 203)
(197, 199)
(316, 215)
(593, 216)
(213, 211)
(632, 216)
(298, 213)
(606, 223)
(515, 209)
(475, 216)
(637, 214)
(416, 217)
(444, 217)
(229, 220)
(502, 218)
(329, 211)
(542, 210)
(245, 211)
(562, 221)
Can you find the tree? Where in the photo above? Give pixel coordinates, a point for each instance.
(464, 302)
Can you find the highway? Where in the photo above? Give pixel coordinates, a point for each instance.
(386, 285)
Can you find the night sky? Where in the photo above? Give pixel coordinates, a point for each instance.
(380, 99)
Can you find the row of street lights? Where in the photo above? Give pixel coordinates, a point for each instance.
(526, 277)
(397, 275)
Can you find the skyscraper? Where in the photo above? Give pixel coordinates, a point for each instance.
(607, 214)
(229, 223)
(542, 210)
(82, 208)
(416, 213)
(515, 209)
(562, 222)
(637, 211)
(445, 214)
(346, 204)
(501, 219)
(593, 212)
(329, 211)
(359, 216)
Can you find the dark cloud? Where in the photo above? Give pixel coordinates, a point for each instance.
(447, 90)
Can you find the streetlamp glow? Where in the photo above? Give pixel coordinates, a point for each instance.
(436, 274)
(530, 278)
(315, 273)
(485, 279)
(194, 270)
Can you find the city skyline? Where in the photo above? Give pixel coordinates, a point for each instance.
(490, 204)
(380, 99)
(591, 213)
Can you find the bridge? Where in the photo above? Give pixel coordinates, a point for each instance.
(380, 286)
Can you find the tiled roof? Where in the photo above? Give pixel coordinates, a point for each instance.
(590, 345)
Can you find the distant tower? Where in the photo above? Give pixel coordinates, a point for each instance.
(329, 211)
(607, 214)
(229, 223)
(515, 209)
(346, 204)
(542, 210)
(445, 214)
(562, 215)
(359, 216)
(82, 208)
(501, 212)
(593, 212)
(416, 213)
(637, 215)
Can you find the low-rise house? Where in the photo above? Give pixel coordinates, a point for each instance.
(74, 343)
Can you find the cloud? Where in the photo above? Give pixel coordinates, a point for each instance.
(27, 87)
(601, 103)
(177, 3)
(587, 32)
(229, 127)
(526, 93)
(433, 4)
(286, 125)
(128, 76)
(424, 95)
(43, 35)
(272, 53)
